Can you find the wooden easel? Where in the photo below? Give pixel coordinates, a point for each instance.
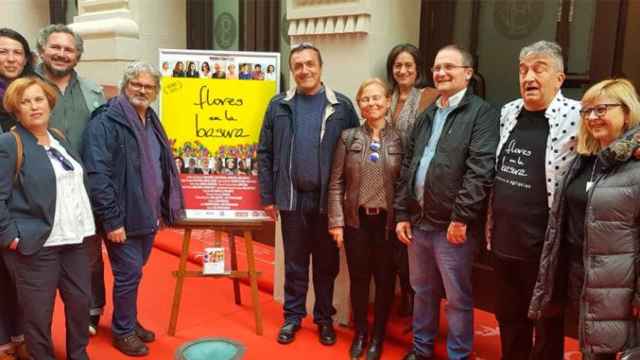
(247, 229)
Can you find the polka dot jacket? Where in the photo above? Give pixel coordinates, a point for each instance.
(564, 117)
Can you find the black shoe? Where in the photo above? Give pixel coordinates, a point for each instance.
(375, 349)
(94, 320)
(412, 355)
(145, 335)
(326, 334)
(358, 345)
(131, 345)
(288, 332)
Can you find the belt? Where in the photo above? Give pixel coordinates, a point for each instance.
(372, 211)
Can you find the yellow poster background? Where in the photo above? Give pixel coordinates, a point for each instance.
(214, 114)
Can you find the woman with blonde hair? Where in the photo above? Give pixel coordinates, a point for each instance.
(366, 164)
(594, 225)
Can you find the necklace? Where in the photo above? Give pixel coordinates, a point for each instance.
(593, 172)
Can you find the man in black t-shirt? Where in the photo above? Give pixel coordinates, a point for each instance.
(537, 140)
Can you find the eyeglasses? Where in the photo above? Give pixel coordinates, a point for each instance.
(66, 164)
(375, 151)
(447, 67)
(600, 110)
(374, 98)
(138, 86)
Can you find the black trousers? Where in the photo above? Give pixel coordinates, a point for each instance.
(401, 262)
(93, 244)
(514, 287)
(305, 234)
(11, 322)
(62, 268)
(369, 252)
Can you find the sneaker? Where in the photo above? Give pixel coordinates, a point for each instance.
(94, 320)
(131, 345)
(145, 335)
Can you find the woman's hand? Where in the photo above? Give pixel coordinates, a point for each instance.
(403, 230)
(338, 235)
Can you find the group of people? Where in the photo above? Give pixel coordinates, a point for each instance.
(219, 72)
(77, 172)
(548, 184)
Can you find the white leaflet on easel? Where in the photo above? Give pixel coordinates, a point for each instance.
(213, 261)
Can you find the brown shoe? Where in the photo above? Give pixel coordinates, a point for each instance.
(131, 345)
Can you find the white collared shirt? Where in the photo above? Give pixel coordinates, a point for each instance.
(453, 100)
(73, 218)
(564, 118)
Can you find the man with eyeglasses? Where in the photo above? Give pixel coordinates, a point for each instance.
(60, 49)
(441, 200)
(537, 143)
(295, 153)
(134, 186)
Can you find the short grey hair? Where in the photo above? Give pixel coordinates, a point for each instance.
(134, 70)
(544, 47)
(45, 32)
(467, 58)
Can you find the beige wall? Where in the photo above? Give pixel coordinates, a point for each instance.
(25, 16)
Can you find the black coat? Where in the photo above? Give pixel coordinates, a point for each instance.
(27, 206)
(461, 171)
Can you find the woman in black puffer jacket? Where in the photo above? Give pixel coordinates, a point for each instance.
(594, 227)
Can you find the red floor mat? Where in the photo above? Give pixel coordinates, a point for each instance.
(208, 310)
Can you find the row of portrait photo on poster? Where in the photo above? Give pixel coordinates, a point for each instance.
(218, 68)
(195, 158)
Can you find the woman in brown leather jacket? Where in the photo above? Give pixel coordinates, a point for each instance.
(366, 164)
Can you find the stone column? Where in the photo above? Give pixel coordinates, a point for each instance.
(354, 37)
(117, 32)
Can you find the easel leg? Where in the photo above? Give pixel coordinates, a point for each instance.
(234, 266)
(253, 280)
(180, 275)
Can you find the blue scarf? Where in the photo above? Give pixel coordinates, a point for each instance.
(169, 204)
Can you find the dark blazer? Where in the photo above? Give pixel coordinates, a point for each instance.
(27, 208)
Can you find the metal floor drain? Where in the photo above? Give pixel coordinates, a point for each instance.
(210, 349)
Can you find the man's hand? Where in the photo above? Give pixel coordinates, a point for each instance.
(272, 212)
(403, 230)
(338, 235)
(118, 235)
(457, 233)
(14, 244)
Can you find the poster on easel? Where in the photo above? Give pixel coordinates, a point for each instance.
(212, 105)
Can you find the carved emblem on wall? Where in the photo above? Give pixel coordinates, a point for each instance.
(225, 30)
(516, 19)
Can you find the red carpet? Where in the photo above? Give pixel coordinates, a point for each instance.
(208, 311)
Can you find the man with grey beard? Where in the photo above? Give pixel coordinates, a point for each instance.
(60, 49)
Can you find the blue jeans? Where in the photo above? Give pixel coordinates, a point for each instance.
(127, 260)
(434, 263)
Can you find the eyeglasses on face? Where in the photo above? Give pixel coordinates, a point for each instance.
(139, 86)
(447, 67)
(600, 110)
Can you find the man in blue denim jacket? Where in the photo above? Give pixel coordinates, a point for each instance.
(298, 137)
